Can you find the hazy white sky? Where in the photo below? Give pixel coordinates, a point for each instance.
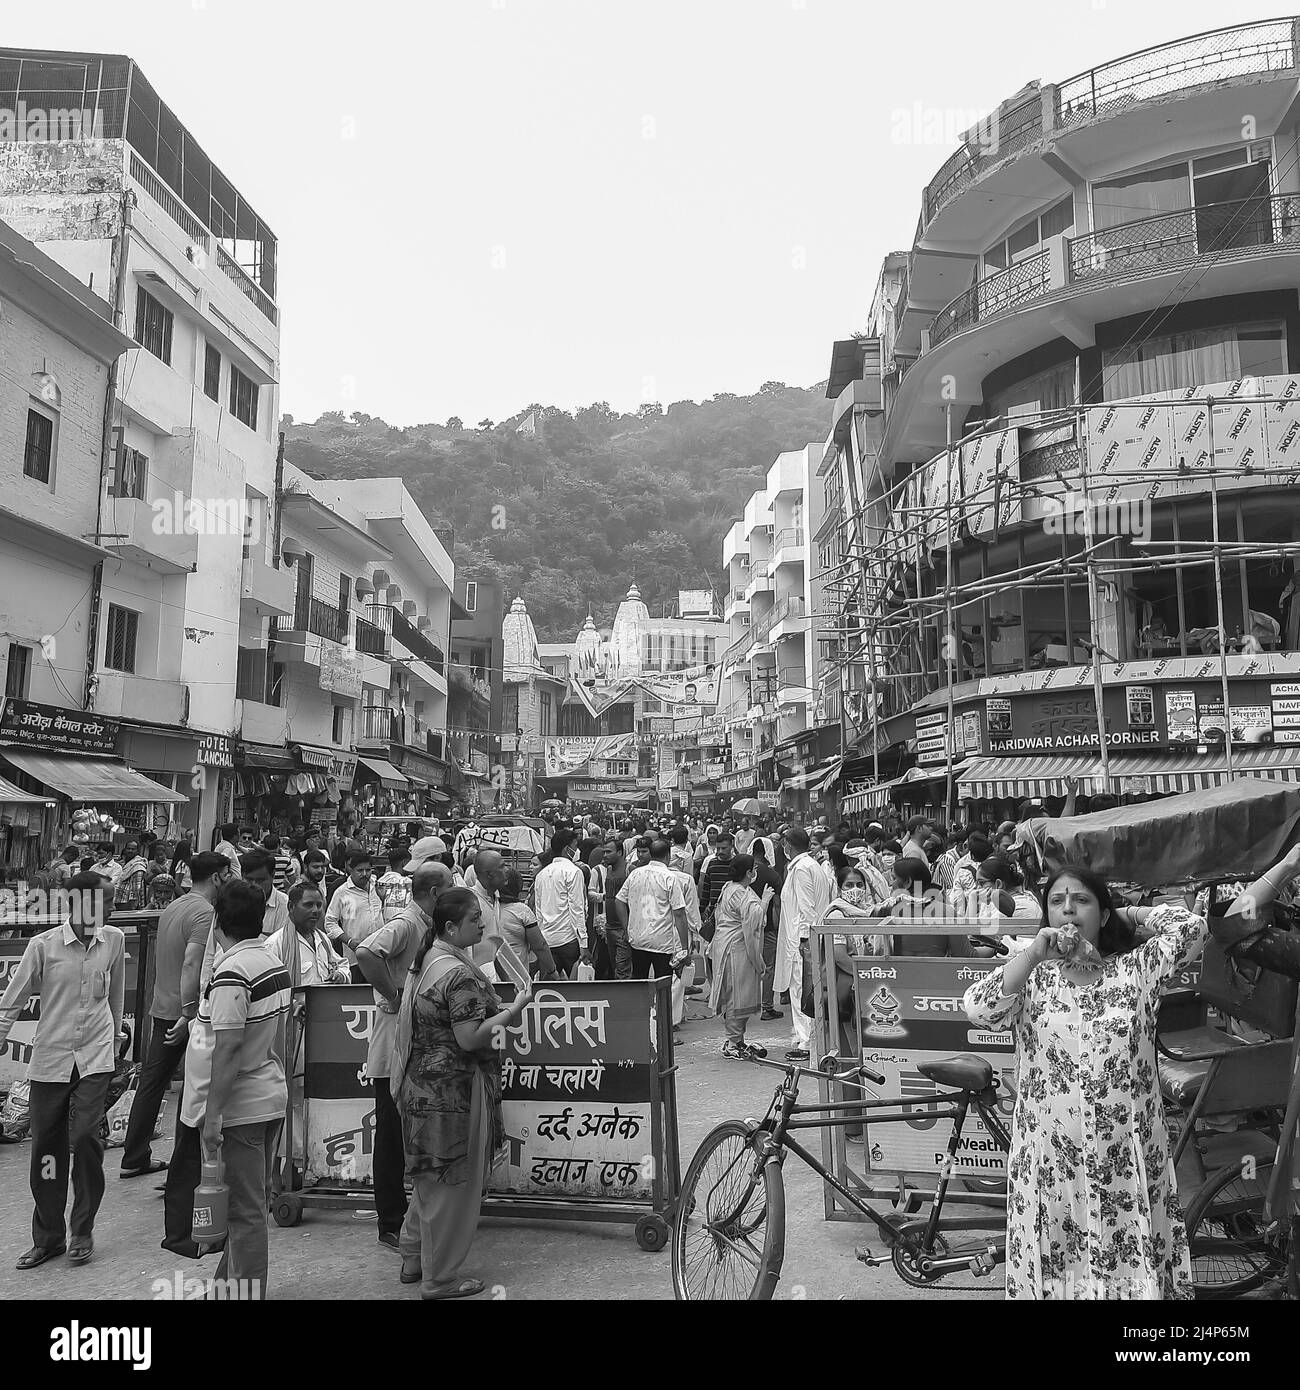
(484, 203)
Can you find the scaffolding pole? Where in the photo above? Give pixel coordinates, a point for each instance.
(1218, 590)
(1094, 625)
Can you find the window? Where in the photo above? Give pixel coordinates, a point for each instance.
(38, 456)
(1053, 389)
(545, 702)
(345, 592)
(471, 596)
(212, 373)
(1028, 240)
(336, 728)
(153, 326)
(119, 649)
(1176, 361)
(19, 675)
(619, 769)
(132, 475)
(243, 398)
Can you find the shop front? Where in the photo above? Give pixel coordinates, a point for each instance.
(808, 765)
(84, 792)
(430, 779)
(198, 766)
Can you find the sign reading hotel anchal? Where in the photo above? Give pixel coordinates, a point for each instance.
(59, 730)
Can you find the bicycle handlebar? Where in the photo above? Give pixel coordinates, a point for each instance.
(851, 1075)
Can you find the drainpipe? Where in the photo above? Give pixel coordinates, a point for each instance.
(117, 301)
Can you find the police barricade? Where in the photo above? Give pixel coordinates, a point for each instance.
(138, 927)
(588, 1102)
(905, 1011)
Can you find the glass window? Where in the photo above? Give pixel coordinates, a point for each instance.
(18, 676)
(153, 326)
(1053, 389)
(471, 596)
(212, 373)
(243, 398)
(1134, 196)
(1177, 361)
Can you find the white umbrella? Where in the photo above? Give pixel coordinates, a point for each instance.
(747, 806)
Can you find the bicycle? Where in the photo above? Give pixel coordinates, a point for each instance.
(729, 1226)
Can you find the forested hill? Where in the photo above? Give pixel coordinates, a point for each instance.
(568, 516)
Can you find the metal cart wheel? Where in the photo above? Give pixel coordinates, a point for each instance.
(651, 1232)
(287, 1210)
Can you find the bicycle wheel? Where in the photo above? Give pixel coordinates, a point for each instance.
(1231, 1255)
(729, 1227)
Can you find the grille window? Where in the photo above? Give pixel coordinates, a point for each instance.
(39, 454)
(153, 326)
(119, 649)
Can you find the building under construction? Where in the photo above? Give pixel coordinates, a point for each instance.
(1062, 487)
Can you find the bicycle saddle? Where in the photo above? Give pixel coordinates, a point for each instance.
(967, 1072)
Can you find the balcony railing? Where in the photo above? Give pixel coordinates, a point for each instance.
(792, 606)
(245, 283)
(994, 294)
(1175, 238)
(394, 621)
(993, 139)
(380, 723)
(169, 202)
(788, 538)
(371, 640)
(1240, 51)
(322, 619)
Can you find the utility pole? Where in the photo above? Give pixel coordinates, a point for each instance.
(1218, 590)
(1094, 632)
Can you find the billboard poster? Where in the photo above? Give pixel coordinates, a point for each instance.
(1180, 716)
(1211, 725)
(698, 685)
(1141, 706)
(565, 756)
(910, 1011)
(997, 716)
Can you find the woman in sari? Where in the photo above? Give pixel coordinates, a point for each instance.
(737, 954)
(446, 1080)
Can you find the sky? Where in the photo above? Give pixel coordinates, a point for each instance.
(482, 204)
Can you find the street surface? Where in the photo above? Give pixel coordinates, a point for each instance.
(336, 1255)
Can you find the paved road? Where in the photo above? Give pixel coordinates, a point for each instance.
(336, 1255)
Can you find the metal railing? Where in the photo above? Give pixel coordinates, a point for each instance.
(994, 294)
(1240, 51)
(1174, 238)
(322, 619)
(1000, 134)
(245, 283)
(792, 678)
(394, 622)
(371, 640)
(792, 606)
(381, 723)
(788, 536)
(169, 202)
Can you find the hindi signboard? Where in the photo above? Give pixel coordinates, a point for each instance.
(910, 1011)
(56, 730)
(580, 1080)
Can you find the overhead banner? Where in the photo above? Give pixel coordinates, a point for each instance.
(597, 695)
(698, 685)
(566, 756)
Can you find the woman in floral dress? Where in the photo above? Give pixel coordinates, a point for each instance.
(1092, 1201)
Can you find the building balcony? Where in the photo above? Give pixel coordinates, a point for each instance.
(158, 541)
(994, 294)
(792, 686)
(857, 395)
(789, 618)
(371, 639)
(379, 724)
(404, 632)
(736, 603)
(266, 592)
(789, 548)
(158, 700)
(320, 619)
(1243, 55)
(261, 723)
(760, 583)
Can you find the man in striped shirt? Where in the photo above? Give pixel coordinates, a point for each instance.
(235, 1093)
(286, 868)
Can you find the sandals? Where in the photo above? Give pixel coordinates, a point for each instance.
(411, 1273)
(38, 1254)
(155, 1165)
(466, 1288)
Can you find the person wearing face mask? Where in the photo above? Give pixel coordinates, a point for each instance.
(1092, 1203)
(446, 1079)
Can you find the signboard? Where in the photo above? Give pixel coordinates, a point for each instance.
(565, 756)
(1180, 715)
(216, 750)
(1068, 720)
(340, 670)
(56, 730)
(1141, 707)
(770, 798)
(910, 1011)
(660, 725)
(698, 685)
(622, 784)
(16, 1051)
(1285, 711)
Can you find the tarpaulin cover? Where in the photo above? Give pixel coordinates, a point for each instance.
(1236, 830)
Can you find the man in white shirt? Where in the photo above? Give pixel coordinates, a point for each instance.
(804, 899)
(745, 836)
(695, 925)
(318, 962)
(652, 904)
(560, 901)
(355, 911)
(394, 887)
(225, 845)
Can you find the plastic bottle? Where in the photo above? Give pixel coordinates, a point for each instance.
(211, 1202)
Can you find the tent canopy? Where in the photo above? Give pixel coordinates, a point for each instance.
(91, 779)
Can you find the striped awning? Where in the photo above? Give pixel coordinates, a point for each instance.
(873, 799)
(998, 779)
(814, 781)
(1187, 772)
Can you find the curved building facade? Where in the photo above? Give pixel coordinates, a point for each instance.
(1062, 523)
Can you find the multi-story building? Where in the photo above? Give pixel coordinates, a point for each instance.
(785, 742)
(474, 688)
(57, 350)
(532, 692)
(1062, 451)
(125, 199)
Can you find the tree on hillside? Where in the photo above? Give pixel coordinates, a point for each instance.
(772, 388)
(649, 410)
(455, 423)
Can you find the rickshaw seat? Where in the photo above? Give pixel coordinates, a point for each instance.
(967, 1072)
(1247, 1076)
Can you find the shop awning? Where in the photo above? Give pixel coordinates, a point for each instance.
(10, 793)
(1186, 772)
(91, 779)
(377, 770)
(265, 757)
(873, 799)
(435, 795)
(997, 779)
(815, 780)
(314, 757)
(620, 798)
